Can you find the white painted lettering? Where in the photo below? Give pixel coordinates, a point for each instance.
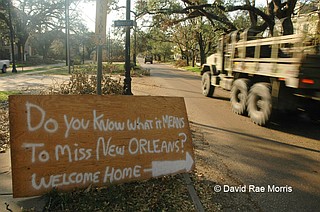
(64, 179)
(68, 125)
(144, 146)
(75, 124)
(106, 125)
(109, 149)
(54, 126)
(44, 156)
(131, 125)
(113, 174)
(158, 124)
(50, 122)
(33, 147)
(41, 184)
(139, 124)
(173, 122)
(183, 140)
(78, 152)
(42, 115)
(59, 150)
(133, 146)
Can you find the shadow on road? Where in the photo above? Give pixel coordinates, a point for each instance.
(297, 124)
(221, 98)
(171, 89)
(252, 136)
(244, 159)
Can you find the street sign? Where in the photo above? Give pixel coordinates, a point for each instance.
(73, 141)
(101, 21)
(124, 23)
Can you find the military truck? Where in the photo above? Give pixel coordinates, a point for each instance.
(4, 64)
(266, 75)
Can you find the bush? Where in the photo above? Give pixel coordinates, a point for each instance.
(181, 63)
(84, 83)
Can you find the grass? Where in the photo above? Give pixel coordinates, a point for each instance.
(193, 69)
(4, 95)
(109, 69)
(63, 70)
(44, 69)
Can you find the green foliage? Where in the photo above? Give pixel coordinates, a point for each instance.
(42, 19)
(193, 69)
(196, 26)
(160, 44)
(4, 95)
(241, 20)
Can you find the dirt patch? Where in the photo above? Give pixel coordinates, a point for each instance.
(4, 127)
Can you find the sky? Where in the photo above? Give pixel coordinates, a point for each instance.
(89, 14)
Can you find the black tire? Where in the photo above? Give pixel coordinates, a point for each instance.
(4, 69)
(239, 95)
(207, 88)
(259, 104)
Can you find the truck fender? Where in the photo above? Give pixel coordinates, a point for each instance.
(210, 68)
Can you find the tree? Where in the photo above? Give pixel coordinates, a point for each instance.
(190, 33)
(159, 44)
(34, 17)
(4, 29)
(218, 12)
(6, 16)
(216, 18)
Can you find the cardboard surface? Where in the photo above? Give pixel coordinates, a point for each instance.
(74, 141)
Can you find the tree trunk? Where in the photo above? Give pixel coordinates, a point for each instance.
(202, 49)
(188, 58)
(193, 58)
(252, 15)
(21, 46)
(283, 11)
(287, 26)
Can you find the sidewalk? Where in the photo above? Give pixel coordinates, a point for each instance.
(28, 68)
(25, 81)
(6, 198)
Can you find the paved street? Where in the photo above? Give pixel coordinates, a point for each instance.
(283, 158)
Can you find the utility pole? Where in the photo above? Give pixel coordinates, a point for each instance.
(101, 24)
(67, 35)
(135, 41)
(127, 79)
(109, 46)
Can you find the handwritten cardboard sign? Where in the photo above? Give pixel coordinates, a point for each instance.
(74, 141)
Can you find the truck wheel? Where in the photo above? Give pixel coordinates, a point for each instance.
(259, 103)
(239, 94)
(4, 69)
(207, 88)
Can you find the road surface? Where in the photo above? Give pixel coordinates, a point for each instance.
(274, 168)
